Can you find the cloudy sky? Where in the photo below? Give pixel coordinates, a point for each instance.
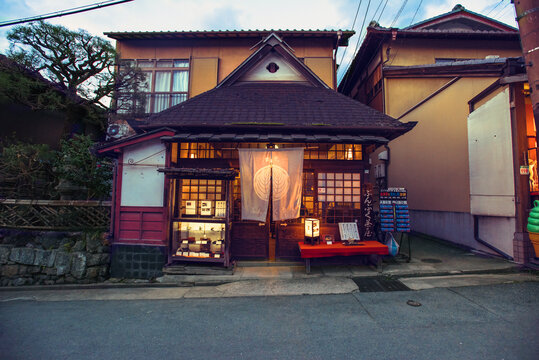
(163, 15)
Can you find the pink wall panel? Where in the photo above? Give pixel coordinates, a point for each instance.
(142, 225)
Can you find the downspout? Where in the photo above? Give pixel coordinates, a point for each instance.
(483, 242)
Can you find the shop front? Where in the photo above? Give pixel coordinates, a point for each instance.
(206, 221)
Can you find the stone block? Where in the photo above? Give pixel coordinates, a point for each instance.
(105, 259)
(19, 282)
(9, 271)
(23, 269)
(80, 245)
(93, 259)
(92, 272)
(62, 262)
(5, 250)
(51, 240)
(104, 271)
(22, 255)
(78, 265)
(44, 258)
(94, 242)
(34, 269)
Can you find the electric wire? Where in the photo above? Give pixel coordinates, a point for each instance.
(60, 13)
(378, 21)
(491, 10)
(378, 8)
(398, 13)
(353, 24)
(345, 79)
(416, 11)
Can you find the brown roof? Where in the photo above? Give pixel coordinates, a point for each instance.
(341, 35)
(277, 107)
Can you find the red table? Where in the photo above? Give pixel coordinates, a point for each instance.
(339, 249)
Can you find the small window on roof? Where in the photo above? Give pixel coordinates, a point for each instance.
(272, 67)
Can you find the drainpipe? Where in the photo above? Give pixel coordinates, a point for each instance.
(483, 242)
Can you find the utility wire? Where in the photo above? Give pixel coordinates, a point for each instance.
(357, 44)
(399, 13)
(416, 10)
(378, 8)
(353, 24)
(491, 10)
(71, 11)
(378, 21)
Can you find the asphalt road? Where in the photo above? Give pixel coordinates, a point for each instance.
(482, 322)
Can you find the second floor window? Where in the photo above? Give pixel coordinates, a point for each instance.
(167, 82)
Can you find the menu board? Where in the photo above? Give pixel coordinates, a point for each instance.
(348, 231)
(394, 213)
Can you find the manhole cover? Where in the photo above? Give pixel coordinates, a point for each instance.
(431, 261)
(379, 284)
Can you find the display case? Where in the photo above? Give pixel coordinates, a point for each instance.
(200, 216)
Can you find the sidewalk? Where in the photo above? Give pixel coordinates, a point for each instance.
(433, 264)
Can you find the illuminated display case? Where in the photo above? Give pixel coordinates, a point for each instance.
(200, 219)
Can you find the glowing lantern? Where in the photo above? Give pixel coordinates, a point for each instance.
(312, 231)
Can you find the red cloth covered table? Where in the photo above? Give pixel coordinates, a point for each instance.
(339, 249)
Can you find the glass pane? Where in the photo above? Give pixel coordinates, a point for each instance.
(160, 102)
(144, 63)
(347, 176)
(338, 191)
(338, 176)
(162, 81)
(331, 176)
(322, 175)
(356, 191)
(181, 63)
(338, 198)
(338, 183)
(180, 81)
(347, 184)
(347, 198)
(356, 199)
(347, 191)
(330, 198)
(321, 183)
(356, 184)
(177, 98)
(164, 63)
(331, 183)
(331, 191)
(355, 176)
(146, 85)
(321, 197)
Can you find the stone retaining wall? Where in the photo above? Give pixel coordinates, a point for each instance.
(47, 258)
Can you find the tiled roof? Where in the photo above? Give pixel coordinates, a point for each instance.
(276, 106)
(142, 35)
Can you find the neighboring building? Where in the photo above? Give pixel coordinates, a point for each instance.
(177, 190)
(428, 73)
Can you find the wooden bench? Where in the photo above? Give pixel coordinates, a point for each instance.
(339, 249)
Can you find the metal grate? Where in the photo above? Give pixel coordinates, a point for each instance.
(379, 284)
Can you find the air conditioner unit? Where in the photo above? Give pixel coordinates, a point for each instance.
(117, 131)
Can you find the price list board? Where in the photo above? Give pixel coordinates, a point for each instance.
(394, 214)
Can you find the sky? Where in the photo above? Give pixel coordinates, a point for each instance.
(182, 15)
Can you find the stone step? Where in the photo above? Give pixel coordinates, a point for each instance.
(189, 269)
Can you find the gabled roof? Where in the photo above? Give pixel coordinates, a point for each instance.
(272, 44)
(458, 24)
(458, 19)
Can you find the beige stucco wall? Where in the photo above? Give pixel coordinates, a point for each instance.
(230, 54)
(406, 52)
(431, 161)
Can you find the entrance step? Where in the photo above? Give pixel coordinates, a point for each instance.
(190, 269)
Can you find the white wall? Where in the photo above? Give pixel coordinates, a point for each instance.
(142, 185)
(492, 186)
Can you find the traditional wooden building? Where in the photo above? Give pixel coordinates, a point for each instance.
(429, 72)
(177, 189)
